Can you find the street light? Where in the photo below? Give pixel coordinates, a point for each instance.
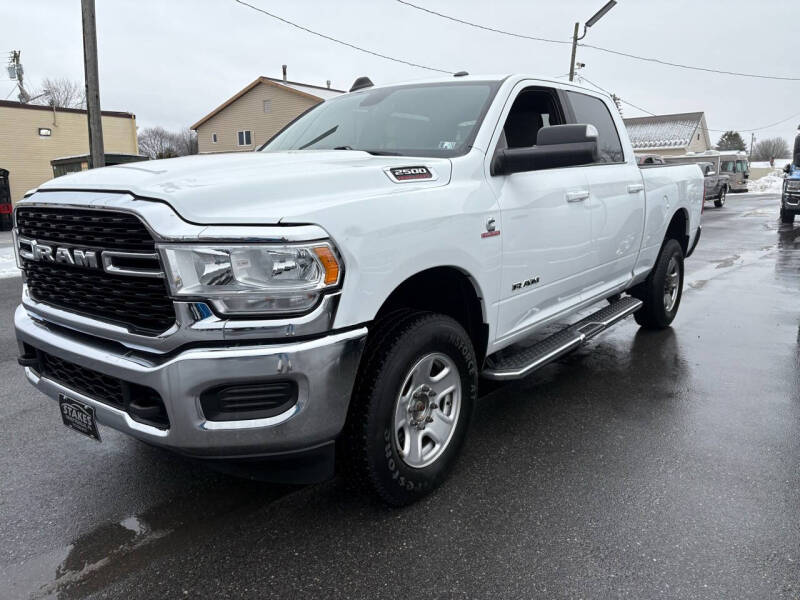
(594, 19)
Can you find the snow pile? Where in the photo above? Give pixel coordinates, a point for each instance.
(8, 265)
(771, 183)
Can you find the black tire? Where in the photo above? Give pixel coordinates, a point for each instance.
(787, 217)
(720, 201)
(368, 447)
(654, 313)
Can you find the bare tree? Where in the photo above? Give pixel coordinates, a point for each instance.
(157, 142)
(771, 148)
(186, 142)
(60, 92)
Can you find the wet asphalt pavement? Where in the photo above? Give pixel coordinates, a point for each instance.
(645, 465)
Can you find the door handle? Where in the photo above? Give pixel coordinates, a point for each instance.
(577, 196)
(635, 188)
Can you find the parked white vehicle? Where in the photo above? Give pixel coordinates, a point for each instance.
(731, 163)
(341, 290)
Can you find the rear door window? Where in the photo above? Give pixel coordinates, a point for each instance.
(593, 111)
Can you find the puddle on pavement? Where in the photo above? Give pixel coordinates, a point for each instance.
(112, 551)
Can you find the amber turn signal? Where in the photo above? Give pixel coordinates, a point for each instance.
(329, 263)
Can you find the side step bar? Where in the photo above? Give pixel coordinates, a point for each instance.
(508, 364)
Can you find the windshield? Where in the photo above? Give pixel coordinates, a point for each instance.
(438, 120)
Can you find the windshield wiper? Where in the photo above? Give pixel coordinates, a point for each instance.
(373, 152)
(382, 153)
(320, 137)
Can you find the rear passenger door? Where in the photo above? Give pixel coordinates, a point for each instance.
(616, 198)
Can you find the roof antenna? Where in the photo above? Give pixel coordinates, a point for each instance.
(361, 83)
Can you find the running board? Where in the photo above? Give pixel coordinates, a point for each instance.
(515, 365)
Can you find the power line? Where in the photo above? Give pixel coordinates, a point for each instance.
(599, 48)
(691, 67)
(706, 128)
(484, 27)
(343, 43)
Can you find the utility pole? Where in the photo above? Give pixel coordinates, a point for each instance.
(618, 101)
(92, 80)
(592, 20)
(16, 72)
(574, 51)
(752, 143)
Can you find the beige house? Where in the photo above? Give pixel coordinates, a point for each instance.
(256, 113)
(669, 135)
(32, 135)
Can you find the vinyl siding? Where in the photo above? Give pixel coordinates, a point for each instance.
(27, 156)
(247, 112)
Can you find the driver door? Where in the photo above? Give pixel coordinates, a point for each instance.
(545, 222)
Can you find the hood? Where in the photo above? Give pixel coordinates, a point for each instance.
(257, 187)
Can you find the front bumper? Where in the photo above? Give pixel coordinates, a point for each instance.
(324, 369)
(790, 202)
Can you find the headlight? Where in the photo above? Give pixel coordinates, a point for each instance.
(252, 279)
(793, 184)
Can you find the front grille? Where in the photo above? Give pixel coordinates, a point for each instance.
(141, 304)
(91, 383)
(85, 228)
(142, 403)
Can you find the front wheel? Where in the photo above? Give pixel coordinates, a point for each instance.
(411, 406)
(720, 201)
(661, 291)
(787, 217)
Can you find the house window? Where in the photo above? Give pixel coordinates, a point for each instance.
(267, 106)
(245, 137)
(213, 138)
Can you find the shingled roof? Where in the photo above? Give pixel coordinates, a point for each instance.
(315, 92)
(665, 131)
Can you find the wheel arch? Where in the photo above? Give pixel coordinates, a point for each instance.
(678, 229)
(448, 290)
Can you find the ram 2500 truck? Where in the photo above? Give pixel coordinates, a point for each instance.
(332, 299)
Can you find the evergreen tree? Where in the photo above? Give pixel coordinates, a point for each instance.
(731, 140)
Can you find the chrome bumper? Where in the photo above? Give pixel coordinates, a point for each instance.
(324, 369)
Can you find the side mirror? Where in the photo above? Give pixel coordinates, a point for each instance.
(556, 146)
(787, 168)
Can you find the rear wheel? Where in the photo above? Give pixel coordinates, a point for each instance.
(411, 407)
(661, 291)
(720, 201)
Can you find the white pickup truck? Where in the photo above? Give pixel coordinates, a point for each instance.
(332, 299)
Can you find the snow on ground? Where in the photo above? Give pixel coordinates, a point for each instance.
(771, 183)
(779, 163)
(8, 265)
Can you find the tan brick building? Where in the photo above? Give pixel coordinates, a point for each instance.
(256, 113)
(32, 135)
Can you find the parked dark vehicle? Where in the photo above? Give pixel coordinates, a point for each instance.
(650, 159)
(716, 185)
(790, 198)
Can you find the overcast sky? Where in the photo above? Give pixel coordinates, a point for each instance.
(171, 62)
